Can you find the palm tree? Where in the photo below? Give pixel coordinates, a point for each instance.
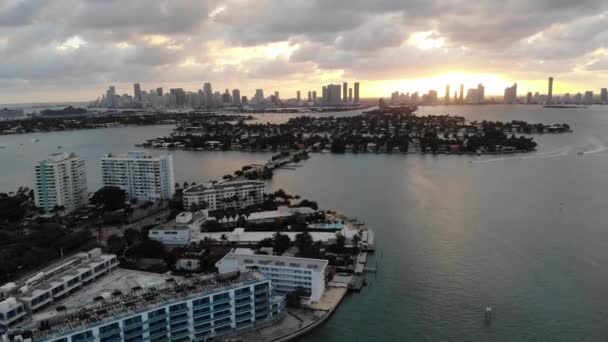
(129, 212)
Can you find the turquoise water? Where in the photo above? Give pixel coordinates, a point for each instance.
(525, 234)
(328, 225)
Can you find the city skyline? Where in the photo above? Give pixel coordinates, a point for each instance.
(238, 43)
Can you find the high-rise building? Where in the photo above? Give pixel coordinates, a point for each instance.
(356, 100)
(142, 176)
(324, 96)
(259, 96)
(604, 95)
(208, 94)
(159, 91)
(111, 100)
(314, 96)
(60, 181)
(333, 94)
(481, 93)
(309, 96)
(244, 100)
(137, 92)
(472, 96)
(550, 94)
(344, 91)
(178, 96)
(226, 98)
(529, 98)
(461, 93)
(298, 96)
(588, 97)
(350, 95)
(510, 96)
(447, 94)
(236, 97)
(276, 97)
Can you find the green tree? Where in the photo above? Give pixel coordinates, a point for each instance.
(131, 236)
(115, 244)
(110, 197)
(303, 241)
(281, 243)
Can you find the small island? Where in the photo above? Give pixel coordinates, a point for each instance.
(385, 130)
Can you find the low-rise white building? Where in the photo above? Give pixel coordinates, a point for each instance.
(55, 283)
(179, 232)
(11, 312)
(172, 235)
(286, 273)
(237, 194)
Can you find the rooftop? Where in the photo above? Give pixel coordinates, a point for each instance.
(245, 254)
(134, 300)
(223, 186)
(132, 155)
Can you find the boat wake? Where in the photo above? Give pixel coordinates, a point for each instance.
(561, 152)
(599, 147)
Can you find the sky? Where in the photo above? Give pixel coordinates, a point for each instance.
(72, 50)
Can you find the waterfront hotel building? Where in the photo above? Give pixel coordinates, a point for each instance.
(194, 309)
(60, 181)
(142, 176)
(237, 194)
(286, 273)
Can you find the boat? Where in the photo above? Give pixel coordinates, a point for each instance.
(59, 146)
(581, 153)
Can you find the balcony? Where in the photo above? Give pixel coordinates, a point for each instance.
(110, 333)
(221, 301)
(181, 334)
(243, 295)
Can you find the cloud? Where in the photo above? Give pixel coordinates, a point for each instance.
(87, 44)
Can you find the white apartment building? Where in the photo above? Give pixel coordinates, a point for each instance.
(237, 194)
(142, 176)
(60, 180)
(286, 273)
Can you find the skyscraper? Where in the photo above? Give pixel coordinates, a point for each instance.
(309, 96)
(259, 96)
(550, 94)
(298, 96)
(461, 93)
(333, 94)
(344, 90)
(314, 96)
(137, 92)
(208, 93)
(481, 93)
(159, 91)
(111, 97)
(350, 95)
(529, 97)
(324, 96)
(178, 96)
(510, 96)
(236, 97)
(356, 92)
(60, 181)
(604, 95)
(589, 97)
(447, 94)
